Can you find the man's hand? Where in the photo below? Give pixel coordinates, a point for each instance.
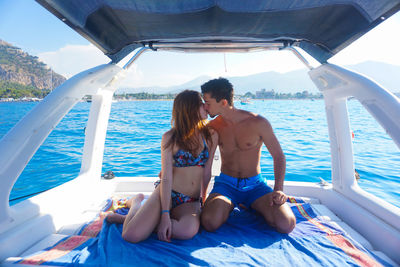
(277, 198)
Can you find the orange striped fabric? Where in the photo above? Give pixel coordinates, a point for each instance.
(340, 241)
(61, 249)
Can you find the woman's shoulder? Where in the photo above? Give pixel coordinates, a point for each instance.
(168, 133)
(167, 136)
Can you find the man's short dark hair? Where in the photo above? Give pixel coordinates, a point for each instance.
(219, 89)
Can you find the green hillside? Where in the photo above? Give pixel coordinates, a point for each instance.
(16, 90)
(22, 74)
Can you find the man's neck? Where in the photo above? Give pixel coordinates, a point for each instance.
(230, 115)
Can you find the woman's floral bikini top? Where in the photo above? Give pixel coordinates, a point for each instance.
(185, 158)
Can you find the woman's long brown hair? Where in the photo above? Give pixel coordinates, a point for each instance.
(186, 120)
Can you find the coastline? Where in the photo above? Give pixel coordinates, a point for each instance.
(169, 99)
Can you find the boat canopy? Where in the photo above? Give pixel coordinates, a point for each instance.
(321, 28)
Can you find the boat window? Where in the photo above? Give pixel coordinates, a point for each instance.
(58, 159)
(301, 128)
(132, 146)
(376, 156)
(136, 124)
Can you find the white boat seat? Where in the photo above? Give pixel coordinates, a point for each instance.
(36, 228)
(386, 258)
(46, 242)
(308, 200)
(324, 213)
(353, 233)
(79, 221)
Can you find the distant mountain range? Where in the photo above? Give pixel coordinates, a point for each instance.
(290, 82)
(193, 85)
(19, 67)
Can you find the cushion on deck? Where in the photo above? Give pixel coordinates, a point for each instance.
(244, 240)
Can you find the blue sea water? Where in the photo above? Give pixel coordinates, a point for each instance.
(134, 134)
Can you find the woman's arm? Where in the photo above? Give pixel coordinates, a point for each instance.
(165, 227)
(208, 165)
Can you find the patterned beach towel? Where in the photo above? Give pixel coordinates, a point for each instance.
(244, 240)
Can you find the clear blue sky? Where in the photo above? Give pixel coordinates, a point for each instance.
(27, 25)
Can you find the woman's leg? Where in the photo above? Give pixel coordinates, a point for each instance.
(185, 220)
(132, 201)
(133, 204)
(139, 225)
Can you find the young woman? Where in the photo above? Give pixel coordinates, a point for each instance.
(187, 150)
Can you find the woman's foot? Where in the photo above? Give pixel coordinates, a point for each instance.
(137, 199)
(132, 202)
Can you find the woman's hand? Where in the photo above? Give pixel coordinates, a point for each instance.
(165, 228)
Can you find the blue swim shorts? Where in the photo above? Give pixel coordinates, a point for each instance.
(241, 190)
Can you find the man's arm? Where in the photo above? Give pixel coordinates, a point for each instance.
(274, 148)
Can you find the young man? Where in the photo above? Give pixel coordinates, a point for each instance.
(241, 135)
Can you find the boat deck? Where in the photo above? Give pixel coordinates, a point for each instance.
(88, 217)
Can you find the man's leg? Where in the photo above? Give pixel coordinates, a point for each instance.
(216, 211)
(280, 217)
(115, 218)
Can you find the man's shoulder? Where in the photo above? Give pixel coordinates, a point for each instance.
(215, 122)
(252, 117)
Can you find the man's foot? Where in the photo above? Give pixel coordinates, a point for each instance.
(115, 218)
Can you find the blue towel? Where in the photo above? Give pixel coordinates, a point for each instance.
(244, 240)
